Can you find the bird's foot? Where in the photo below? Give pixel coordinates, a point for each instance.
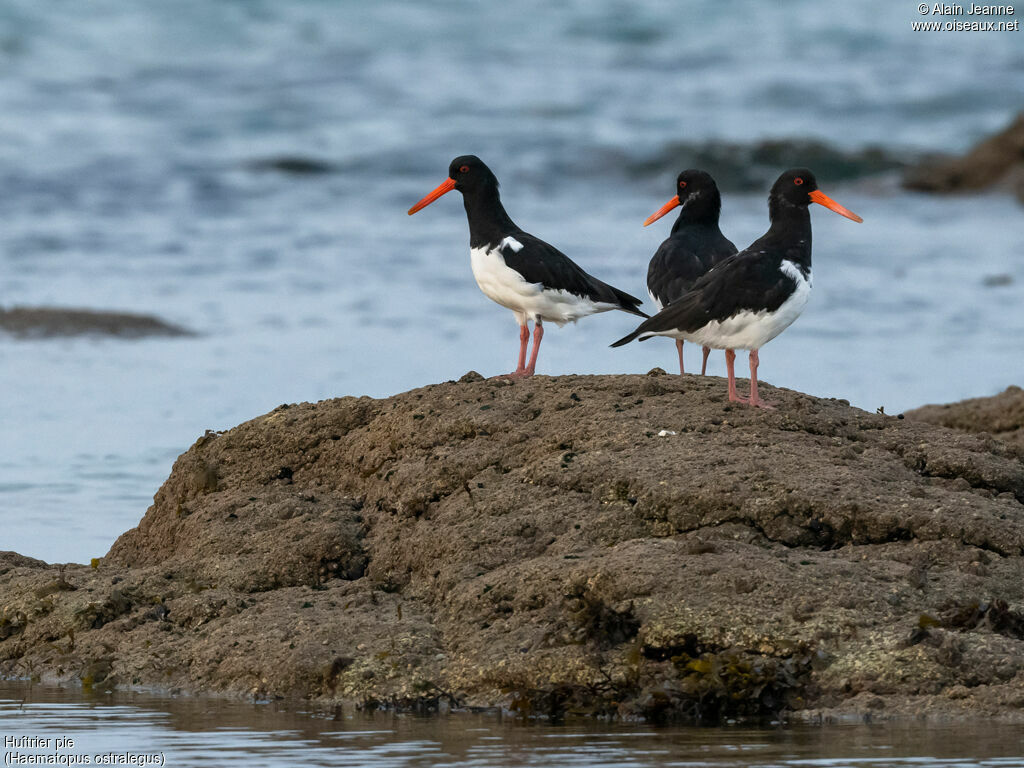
(757, 402)
(519, 373)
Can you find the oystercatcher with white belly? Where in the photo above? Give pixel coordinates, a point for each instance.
(519, 271)
(695, 245)
(752, 297)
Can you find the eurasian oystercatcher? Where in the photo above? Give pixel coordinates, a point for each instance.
(695, 245)
(519, 271)
(752, 297)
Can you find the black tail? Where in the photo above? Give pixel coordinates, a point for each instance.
(629, 303)
(626, 339)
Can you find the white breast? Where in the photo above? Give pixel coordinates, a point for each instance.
(529, 301)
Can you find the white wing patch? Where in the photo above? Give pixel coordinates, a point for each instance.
(792, 270)
(654, 298)
(512, 243)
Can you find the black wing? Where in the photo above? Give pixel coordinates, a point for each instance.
(683, 259)
(749, 280)
(539, 262)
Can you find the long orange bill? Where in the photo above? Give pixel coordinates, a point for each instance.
(662, 211)
(444, 187)
(821, 198)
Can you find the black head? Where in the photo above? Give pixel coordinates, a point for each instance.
(466, 173)
(693, 182)
(797, 188)
(794, 187)
(470, 174)
(697, 190)
(697, 195)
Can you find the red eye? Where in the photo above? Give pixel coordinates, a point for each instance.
(465, 169)
(682, 185)
(798, 181)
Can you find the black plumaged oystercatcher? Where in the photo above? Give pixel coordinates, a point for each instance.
(695, 245)
(752, 297)
(519, 271)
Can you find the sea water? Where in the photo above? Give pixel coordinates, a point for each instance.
(183, 732)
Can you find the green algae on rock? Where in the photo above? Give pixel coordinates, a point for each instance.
(624, 546)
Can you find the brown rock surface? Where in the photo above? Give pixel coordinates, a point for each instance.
(1001, 416)
(998, 159)
(541, 545)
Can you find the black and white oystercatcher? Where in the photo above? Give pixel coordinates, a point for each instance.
(695, 245)
(752, 297)
(533, 279)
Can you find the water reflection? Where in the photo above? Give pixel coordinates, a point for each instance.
(199, 732)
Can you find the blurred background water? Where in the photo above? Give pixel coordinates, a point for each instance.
(149, 162)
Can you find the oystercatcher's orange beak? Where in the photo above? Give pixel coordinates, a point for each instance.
(662, 211)
(819, 197)
(443, 188)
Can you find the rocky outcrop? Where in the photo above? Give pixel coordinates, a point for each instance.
(1001, 416)
(50, 322)
(997, 160)
(293, 165)
(753, 167)
(631, 546)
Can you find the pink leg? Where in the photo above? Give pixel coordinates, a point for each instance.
(704, 364)
(679, 346)
(730, 366)
(538, 334)
(524, 339)
(754, 399)
(525, 370)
